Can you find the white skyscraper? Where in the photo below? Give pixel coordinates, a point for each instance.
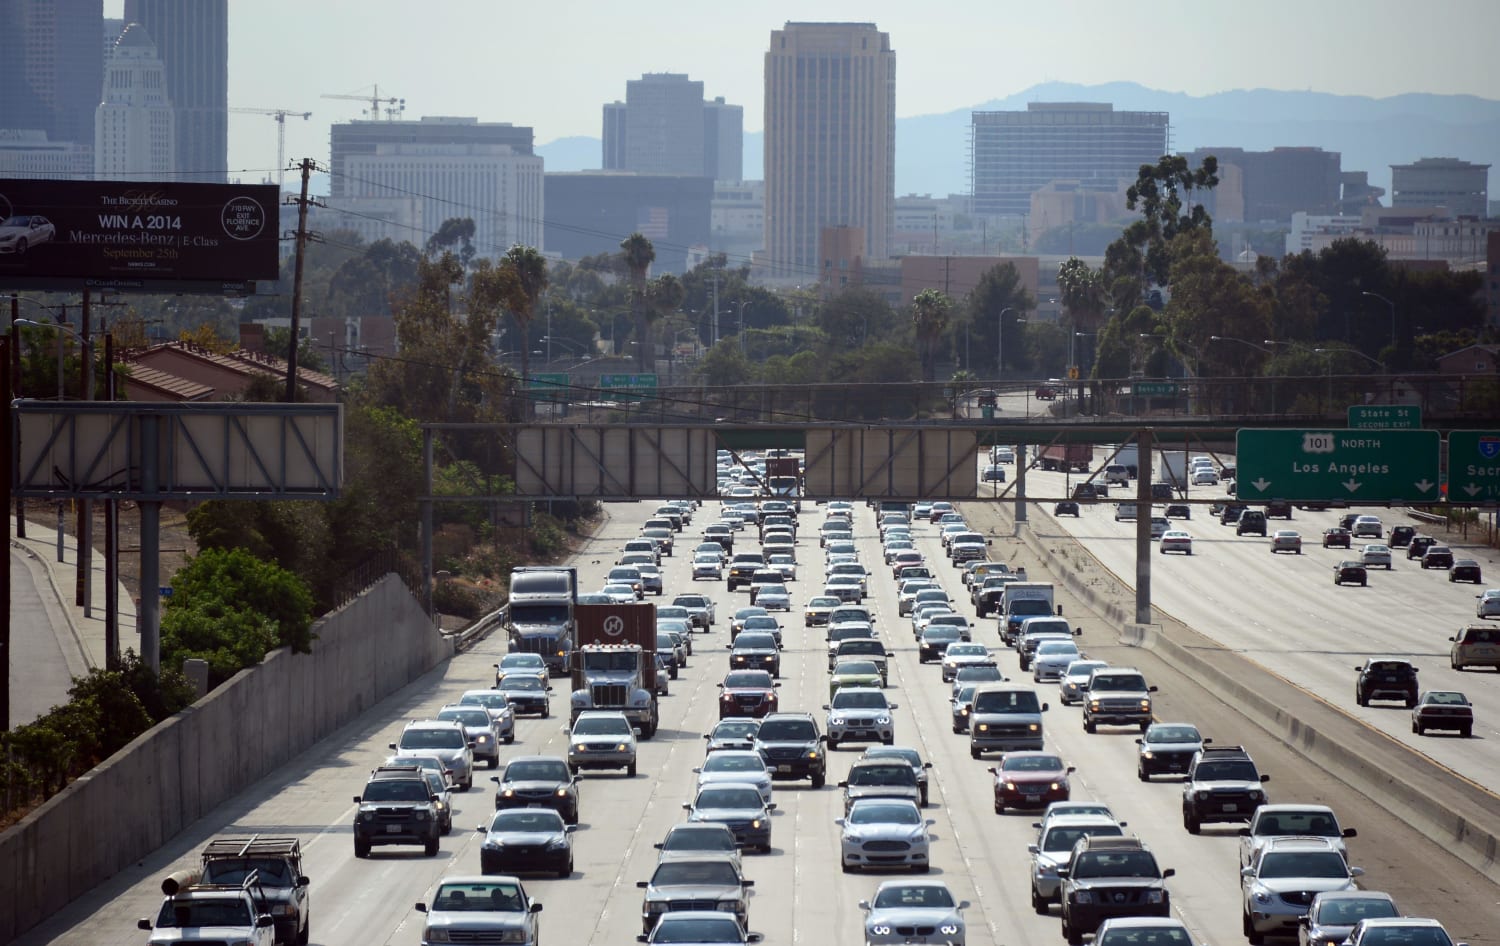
(134, 126)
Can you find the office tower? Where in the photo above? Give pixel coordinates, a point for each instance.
(665, 126)
(1272, 185)
(1016, 153)
(350, 139)
(192, 38)
(454, 173)
(1442, 182)
(723, 140)
(134, 127)
(614, 136)
(830, 140)
(51, 70)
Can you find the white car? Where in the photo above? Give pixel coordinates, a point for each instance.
(884, 832)
(1205, 476)
(900, 905)
(784, 563)
(466, 907)
(708, 566)
(1489, 604)
(1135, 930)
(1376, 555)
(1175, 540)
(602, 739)
(1051, 659)
(774, 598)
(736, 765)
(24, 231)
(1124, 512)
(1367, 527)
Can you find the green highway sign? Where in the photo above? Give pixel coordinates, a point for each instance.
(618, 386)
(548, 386)
(1356, 466)
(1153, 389)
(1385, 417)
(1474, 466)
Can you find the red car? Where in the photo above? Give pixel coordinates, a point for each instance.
(1030, 780)
(1336, 538)
(747, 693)
(1046, 393)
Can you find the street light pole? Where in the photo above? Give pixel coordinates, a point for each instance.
(1376, 295)
(1000, 344)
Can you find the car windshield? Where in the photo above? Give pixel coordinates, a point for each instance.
(677, 929)
(761, 622)
(1349, 911)
(728, 797)
(1230, 771)
(1148, 936)
(539, 770)
(228, 911)
(672, 612)
(1448, 697)
(531, 684)
(859, 699)
(527, 819)
(913, 895)
(690, 601)
(432, 739)
(1031, 763)
(519, 661)
(857, 668)
(1129, 681)
(788, 730)
(718, 873)
(479, 897)
(493, 699)
(1116, 864)
(755, 641)
(751, 679)
(734, 762)
(1006, 701)
(396, 789)
(909, 756)
(1317, 823)
(1173, 734)
(892, 774)
(1063, 837)
(474, 717)
(693, 837)
(884, 813)
(269, 871)
(1056, 648)
(823, 602)
(602, 726)
(1303, 864)
(941, 632)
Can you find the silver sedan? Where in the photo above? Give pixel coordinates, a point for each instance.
(902, 904)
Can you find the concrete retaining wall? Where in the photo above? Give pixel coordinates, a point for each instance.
(180, 770)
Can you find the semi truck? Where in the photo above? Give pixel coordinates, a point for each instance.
(541, 618)
(1069, 457)
(784, 480)
(1022, 600)
(614, 664)
(1174, 469)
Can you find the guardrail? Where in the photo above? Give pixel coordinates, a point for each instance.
(481, 628)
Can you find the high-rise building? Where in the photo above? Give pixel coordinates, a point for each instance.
(1273, 185)
(590, 212)
(134, 127)
(28, 153)
(350, 139)
(665, 126)
(454, 173)
(192, 38)
(1014, 154)
(1442, 182)
(830, 140)
(51, 70)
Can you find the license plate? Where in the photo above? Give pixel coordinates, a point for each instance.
(783, 768)
(393, 829)
(1033, 799)
(1230, 806)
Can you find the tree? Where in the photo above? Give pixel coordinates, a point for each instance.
(999, 289)
(1163, 193)
(929, 313)
(855, 317)
(455, 232)
(639, 254)
(663, 296)
(1210, 297)
(522, 278)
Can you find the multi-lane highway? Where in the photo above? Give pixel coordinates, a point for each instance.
(800, 895)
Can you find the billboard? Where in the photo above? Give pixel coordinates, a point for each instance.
(147, 236)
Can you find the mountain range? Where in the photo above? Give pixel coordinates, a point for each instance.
(1370, 133)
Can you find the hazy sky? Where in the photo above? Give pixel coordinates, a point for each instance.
(551, 65)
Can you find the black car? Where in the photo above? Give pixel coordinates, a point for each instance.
(527, 839)
(1386, 679)
(1065, 508)
(397, 810)
(755, 650)
(1437, 556)
(1418, 545)
(1350, 572)
(538, 781)
(525, 694)
(1346, 521)
(1090, 491)
(1251, 522)
(793, 747)
(1464, 569)
(1179, 511)
(1278, 509)
(1401, 535)
(1231, 514)
(1162, 492)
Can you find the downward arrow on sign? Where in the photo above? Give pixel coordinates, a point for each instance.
(1422, 485)
(1351, 485)
(1473, 490)
(1261, 484)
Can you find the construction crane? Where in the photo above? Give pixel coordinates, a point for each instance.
(280, 114)
(394, 107)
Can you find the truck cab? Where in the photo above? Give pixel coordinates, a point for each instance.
(195, 912)
(540, 618)
(281, 889)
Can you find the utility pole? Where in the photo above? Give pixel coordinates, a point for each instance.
(307, 167)
(13, 363)
(7, 658)
(83, 586)
(716, 309)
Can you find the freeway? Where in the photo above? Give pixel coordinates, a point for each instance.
(1284, 612)
(800, 895)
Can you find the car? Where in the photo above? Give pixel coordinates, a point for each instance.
(1046, 392)
(1205, 476)
(1367, 527)
(602, 739)
(705, 881)
(521, 665)
(1386, 678)
(865, 648)
(1222, 784)
(448, 740)
(538, 781)
(747, 693)
(1175, 540)
(1399, 931)
(480, 729)
(619, 593)
(526, 694)
(1336, 538)
(1088, 492)
(1418, 546)
(1332, 915)
(740, 807)
(700, 927)
(961, 705)
(21, 232)
(764, 624)
(1475, 646)
(1401, 535)
(1287, 821)
(1287, 540)
(884, 833)
(500, 709)
(1053, 849)
(860, 714)
(1159, 526)
(1167, 749)
(1178, 511)
(994, 474)
(755, 650)
(1030, 780)
(793, 747)
(427, 763)
(854, 672)
(397, 807)
(1110, 877)
(1464, 569)
(467, 909)
(960, 654)
(1051, 658)
(1443, 709)
(1118, 696)
(1283, 874)
(1124, 512)
(786, 564)
(1375, 555)
(672, 645)
(1250, 522)
(708, 566)
(817, 610)
(899, 906)
(651, 578)
(518, 840)
(1142, 931)
(1073, 685)
(1349, 572)
(733, 732)
(1230, 514)
(694, 839)
(934, 641)
(774, 597)
(880, 778)
(908, 755)
(736, 765)
(700, 609)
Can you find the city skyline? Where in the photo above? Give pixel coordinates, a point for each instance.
(948, 52)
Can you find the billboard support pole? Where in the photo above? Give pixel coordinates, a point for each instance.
(291, 355)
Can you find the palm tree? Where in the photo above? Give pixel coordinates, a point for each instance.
(527, 272)
(664, 295)
(929, 313)
(639, 255)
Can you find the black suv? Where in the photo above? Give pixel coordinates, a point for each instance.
(1278, 509)
(1386, 680)
(792, 747)
(436, 783)
(1251, 521)
(1230, 514)
(1401, 535)
(1110, 877)
(1417, 546)
(1223, 784)
(1066, 508)
(397, 810)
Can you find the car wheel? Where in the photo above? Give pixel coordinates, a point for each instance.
(546, 712)
(1364, 583)
(1467, 732)
(848, 867)
(1038, 905)
(999, 806)
(833, 742)
(974, 752)
(566, 872)
(672, 672)
(1192, 824)
(572, 769)
(468, 783)
(1140, 773)
(305, 934)
(818, 779)
(1359, 699)
(1411, 703)
(924, 798)
(431, 847)
(1089, 726)
(361, 848)
(630, 770)
(764, 848)
(1416, 728)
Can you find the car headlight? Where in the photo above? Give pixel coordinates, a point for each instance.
(1260, 897)
(1147, 754)
(283, 909)
(881, 930)
(1056, 786)
(983, 727)
(813, 754)
(622, 747)
(421, 815)
(557, 844)
(1145, 706)
(1094, 705)
(508, 793)
(482, 740)
(438, 805)
(1009, 786)
(948, 929)
(835, 720)
(1083, 896)
(367, 816)
(580, 746)
(436, 935)
(1202, 796)
(562, 793)
(729, 906)
(755, 823)
(963, 711)
(882, 720)
(1258, 795)
(655, 907)
(1035, 727)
